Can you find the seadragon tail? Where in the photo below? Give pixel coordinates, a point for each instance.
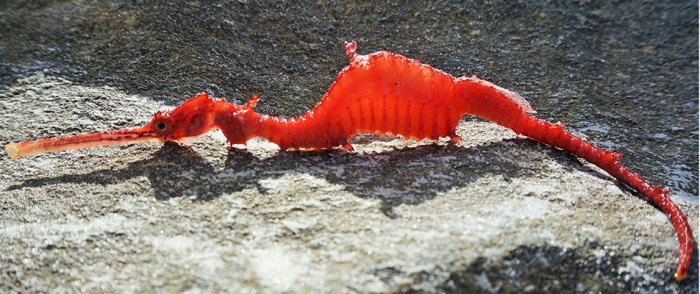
(555, 135)
(505, 108)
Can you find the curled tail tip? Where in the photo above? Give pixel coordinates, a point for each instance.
(12, 150)
(680, 275)
(351, 50)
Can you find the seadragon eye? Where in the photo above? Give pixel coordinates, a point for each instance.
(161, 125)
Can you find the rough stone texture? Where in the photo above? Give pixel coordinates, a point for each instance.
(623, 73)
(493, 214)
(490, 214)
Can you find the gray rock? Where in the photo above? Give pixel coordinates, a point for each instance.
(494, 214)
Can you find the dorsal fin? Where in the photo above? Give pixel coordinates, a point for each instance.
(515, 97)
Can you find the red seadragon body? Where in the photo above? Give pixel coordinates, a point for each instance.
(382, 93)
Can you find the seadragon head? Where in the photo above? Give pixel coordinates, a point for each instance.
(185, 122)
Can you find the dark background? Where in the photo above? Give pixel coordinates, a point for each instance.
(622, 73)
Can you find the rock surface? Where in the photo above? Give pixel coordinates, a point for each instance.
(494, 214)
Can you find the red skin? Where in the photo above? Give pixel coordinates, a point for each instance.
(382, 93)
